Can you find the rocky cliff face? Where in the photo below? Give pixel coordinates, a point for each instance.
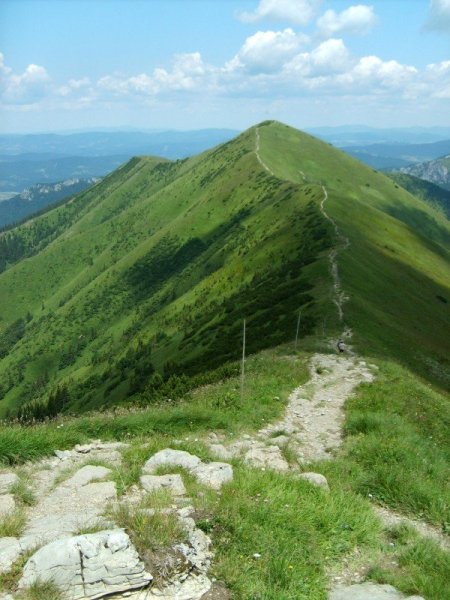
(437, 171)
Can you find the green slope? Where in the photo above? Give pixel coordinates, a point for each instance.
(427, 191)
(396, 270)
(148, 275)
(155, 268)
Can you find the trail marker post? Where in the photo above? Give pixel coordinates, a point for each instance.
(243, 364)
(298, 327)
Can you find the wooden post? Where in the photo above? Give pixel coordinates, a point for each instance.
(243, 364)
(298, 327)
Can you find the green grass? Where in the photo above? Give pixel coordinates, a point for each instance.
(423, 566)
(213, 407)
(298, 530)
(41, 590)
(397, 447)
(13, 524)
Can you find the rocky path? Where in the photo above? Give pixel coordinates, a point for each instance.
(312, 424)
(339, 295)
(70, 535)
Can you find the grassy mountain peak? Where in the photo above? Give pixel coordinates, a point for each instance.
(140, 285)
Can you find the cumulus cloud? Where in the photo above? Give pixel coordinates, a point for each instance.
(328, 58)
(187, 70)
(298, 12)
(357, 20)
(267, 51)
(439, 18)
(25, 88)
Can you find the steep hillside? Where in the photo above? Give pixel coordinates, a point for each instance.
(155, 268)
(147, 278)
(427, 191)
(437, 171)
(38, 197)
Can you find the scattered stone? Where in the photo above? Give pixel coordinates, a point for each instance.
(10, 550)
(256, 555)
(7, 505)
(63, 454)
(7, 480)
(316, 479)
(269, 457)
(221, 451)
(369, 591)
(214, 474)
(88, 566)
(172, 483)
(87, 474)
(175, 458)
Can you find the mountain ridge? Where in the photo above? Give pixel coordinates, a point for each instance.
(223, 239)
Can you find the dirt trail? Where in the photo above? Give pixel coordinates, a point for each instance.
(339, 295)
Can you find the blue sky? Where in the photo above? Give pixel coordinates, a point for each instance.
(188, 64)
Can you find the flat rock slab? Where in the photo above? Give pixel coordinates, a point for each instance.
(75, 504)
(266, 457)
(7, 505)
(7, 480)
(369, 591)
(88, 566)
(10, 550)
(214, 474)
(172, 483)
(173, 458)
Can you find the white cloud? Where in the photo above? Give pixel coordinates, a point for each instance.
(267, 51)
(357, 20)
(26, 88)
(187, 70)
(298, 12)
(439, 17)
(328, 58)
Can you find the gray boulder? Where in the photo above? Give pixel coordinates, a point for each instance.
(7, 480)
(7, 505)
(88, 566)
(173, 483)
(213, 474)
(10, 550)
(173, 458)
(316, 479)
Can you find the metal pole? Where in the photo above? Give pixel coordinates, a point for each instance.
(243, 364)
(298, 327)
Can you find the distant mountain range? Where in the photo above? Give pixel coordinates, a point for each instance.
(38, 197)
(20, 172)
(436, 171)
(170, 144)
(396, 156)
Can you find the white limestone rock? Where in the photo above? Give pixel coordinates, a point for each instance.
(7, 480)
(173, 483)
(75, 504)
(88, 566)
(173, 458)
(316, 479)
(10, 550)
(267, 457)
(7, 505)
(214, 474)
